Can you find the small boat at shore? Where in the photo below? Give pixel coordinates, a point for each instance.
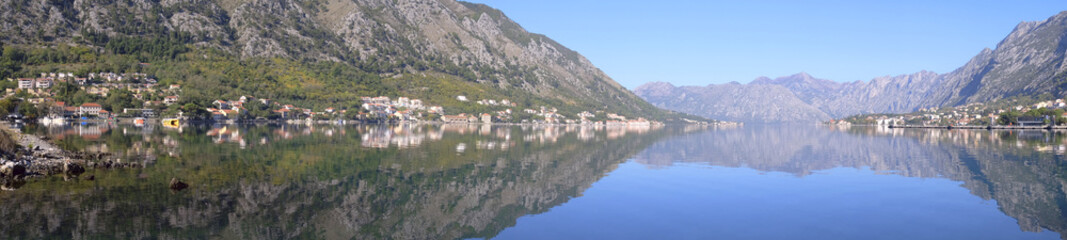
(171, 122)
(52, 121)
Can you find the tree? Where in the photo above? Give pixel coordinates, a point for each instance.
(432, 116)
(11, 61)
(7, 105)
(256, 109)
(5, 85)
(1009, 118)
(29, 110)
(65, 91)
(192, 110)
(119, 99)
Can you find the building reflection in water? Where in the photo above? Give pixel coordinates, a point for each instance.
(1032, 139)
(340, 182)
(493, 137)
(413, 135)
(118, 143)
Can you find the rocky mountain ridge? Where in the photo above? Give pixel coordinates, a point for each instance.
(1028, 62)
(464, 41)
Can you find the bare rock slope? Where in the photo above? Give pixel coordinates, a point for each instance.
(1028, 62)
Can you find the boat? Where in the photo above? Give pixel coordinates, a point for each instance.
(52, 120)
(138, 122)
(171, 122)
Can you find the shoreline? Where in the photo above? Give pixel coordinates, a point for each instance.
(35, 156)
(1046, 127)
(155, 121)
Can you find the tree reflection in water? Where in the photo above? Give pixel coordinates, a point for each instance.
(323, 182)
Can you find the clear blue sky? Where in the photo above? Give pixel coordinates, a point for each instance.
(703, 42)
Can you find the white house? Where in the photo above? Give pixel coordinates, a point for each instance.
(168, 100)
(90, 109)
(25, 83)
(44, 83)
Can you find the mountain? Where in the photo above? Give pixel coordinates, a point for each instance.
(314, 52)
(732, 102)
(1028, 62)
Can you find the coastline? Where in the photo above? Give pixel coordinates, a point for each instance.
(35, 156)
(1045, 127)
(155, 121)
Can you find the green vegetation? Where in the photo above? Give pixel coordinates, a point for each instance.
(1012, 117)
(1007, 112)
(8, 146)
(11, 104)
(313, 67)
(213, 75)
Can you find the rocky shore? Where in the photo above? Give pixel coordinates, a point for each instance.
(24, 156)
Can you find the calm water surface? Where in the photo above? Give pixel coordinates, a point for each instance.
(445, 182)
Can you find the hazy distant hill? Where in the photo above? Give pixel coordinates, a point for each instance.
(305, 50)
(732, 101)
(1030, 61)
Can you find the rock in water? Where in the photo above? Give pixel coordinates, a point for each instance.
(177, 185)
(73, 168)
(11, 184)
(11, 169)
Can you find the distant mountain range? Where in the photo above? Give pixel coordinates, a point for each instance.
(1028, 62)
(300, 51)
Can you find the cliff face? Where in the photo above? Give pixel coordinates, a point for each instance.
(469, 41)
(1029, 61)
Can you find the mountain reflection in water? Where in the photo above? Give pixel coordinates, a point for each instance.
(481, 181)
(323, 182)
(1023, 171)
